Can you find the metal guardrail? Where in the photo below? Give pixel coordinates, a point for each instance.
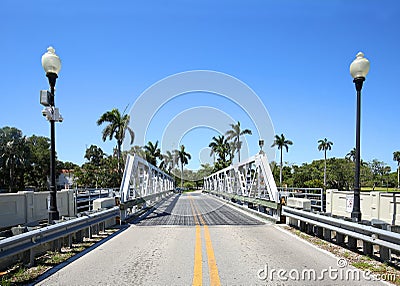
(370, 235)
(29, 241)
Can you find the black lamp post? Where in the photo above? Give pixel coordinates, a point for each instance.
(51, 64)
(358, 69)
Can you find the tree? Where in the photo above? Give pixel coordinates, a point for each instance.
(184, 158)
(169, 161)
(14, 154)
(280, 142)
(351, 155)
(152, 153)
(39, 161)
(396, 157)
(94, 155)
(138, 150)
(378, 170)
(118, 125)
(324, 145)
(220, 146)
(234, 134)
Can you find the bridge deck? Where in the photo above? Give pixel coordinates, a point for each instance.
(177, 210)
(197, 240)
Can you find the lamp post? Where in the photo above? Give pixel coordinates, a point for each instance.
(358, 69)
(51, 64)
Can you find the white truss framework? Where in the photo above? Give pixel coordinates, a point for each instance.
(251, 178)
(141, 179)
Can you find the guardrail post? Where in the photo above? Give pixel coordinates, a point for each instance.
(319, 231)
(367, 248)
(57, 245)
(339, 238)
(70, 241)
(302, 226)
(293, 222)
(309, 229)
(352, 242)
(385, 254)
(79, 236)
(327, 234)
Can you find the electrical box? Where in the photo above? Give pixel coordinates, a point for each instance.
(45, 97)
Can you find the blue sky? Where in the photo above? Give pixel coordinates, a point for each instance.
(294, 55)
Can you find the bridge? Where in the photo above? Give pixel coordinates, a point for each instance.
(225, 234)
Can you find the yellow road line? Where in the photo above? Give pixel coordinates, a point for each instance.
(198, 260)
(212, 263)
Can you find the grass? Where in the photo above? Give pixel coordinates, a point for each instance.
(380, 189)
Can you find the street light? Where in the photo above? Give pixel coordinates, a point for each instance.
(358, 69)
(51, 64)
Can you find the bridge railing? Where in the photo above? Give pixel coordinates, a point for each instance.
(29, 244)
(250, 181)
(142, 184)
(370, 233)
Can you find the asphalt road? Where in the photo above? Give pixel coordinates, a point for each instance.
(197, 240)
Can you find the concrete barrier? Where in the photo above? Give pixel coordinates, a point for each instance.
(103, 203)
(28, 207)
(374, 205)
(299, 203)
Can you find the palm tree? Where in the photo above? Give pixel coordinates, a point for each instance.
(396, 157)
(351, 155)
(118, 125)
(234, 134)
(152, 153)
(281, 142)
(168, 161)
(138, 150)
(184, 158)
(220, 146)
(324, 145)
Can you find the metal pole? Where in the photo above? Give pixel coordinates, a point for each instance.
(356, 213)
(53, 212)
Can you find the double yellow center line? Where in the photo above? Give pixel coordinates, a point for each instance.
(198, 262)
